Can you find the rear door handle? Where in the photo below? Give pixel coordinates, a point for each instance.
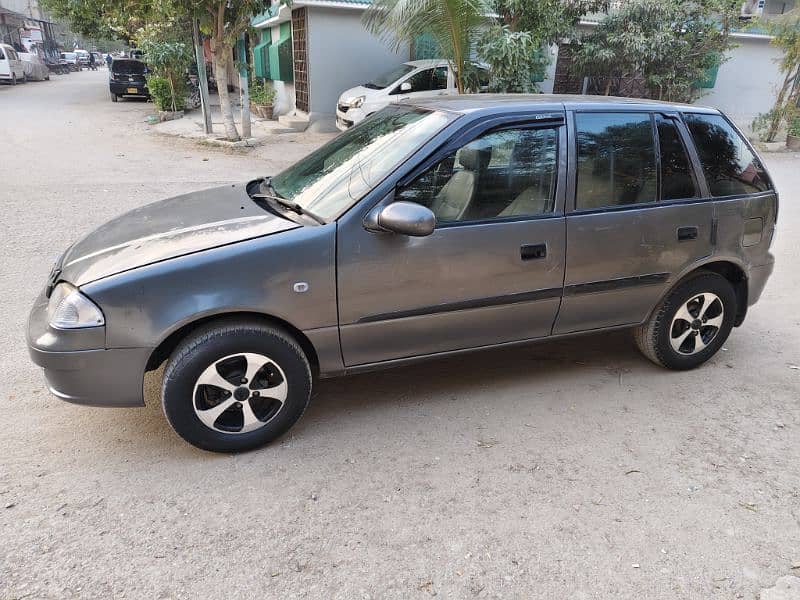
(687, 233)
(533, 251)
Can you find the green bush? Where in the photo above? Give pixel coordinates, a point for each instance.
(166, 96)
(262, 93)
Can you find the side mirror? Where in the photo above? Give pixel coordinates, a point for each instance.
(405, 218)
(405, 86)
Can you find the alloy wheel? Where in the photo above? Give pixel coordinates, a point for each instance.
(239, 393)
(696, 323)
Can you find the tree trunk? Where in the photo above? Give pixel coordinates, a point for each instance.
(221, 56)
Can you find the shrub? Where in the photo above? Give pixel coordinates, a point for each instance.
(166, 95)
(262, 93)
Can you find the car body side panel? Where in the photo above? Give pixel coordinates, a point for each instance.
(620, 263)
(144, 306)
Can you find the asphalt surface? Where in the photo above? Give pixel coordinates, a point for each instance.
(574, 469)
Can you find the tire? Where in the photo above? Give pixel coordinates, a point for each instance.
(228, 415)
(13, 79)
(24, 78)
(114, 98)
(671, 340)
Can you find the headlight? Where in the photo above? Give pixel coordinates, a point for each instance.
(356, 102)
(69, 309)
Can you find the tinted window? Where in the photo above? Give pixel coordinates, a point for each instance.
(616, 159)
(509, 173)
(728, 164)
(128, 67)
(677, 180)
(389, 78)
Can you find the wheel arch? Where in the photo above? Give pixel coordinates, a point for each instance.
(162, 352)
(730, 270)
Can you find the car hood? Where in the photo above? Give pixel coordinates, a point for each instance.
(168, 229)
(357, 91)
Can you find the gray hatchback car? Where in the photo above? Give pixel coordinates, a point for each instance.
(431, 229)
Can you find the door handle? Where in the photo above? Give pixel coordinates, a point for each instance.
(687, 233)
(533, 251)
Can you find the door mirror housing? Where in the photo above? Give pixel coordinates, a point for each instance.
(405, 87)
(405, 218)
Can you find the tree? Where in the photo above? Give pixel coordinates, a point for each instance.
(168, 48)
(515, 47)
(453, 24)
(225, 21)
(99, 19)
(786, 32)
(669, 44)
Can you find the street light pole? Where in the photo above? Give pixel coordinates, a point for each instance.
(202, 78)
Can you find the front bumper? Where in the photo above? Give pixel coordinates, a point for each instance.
(79, 369)
(346, 119)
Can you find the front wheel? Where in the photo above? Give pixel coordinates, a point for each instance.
(235, 386)
(114, 98)
(691, 323)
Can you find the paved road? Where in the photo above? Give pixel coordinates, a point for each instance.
(574, 469)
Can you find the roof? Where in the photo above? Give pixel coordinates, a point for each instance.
(278, 13)
(467, 103)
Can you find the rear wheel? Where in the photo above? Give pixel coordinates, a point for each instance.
(13, 79)
(114, 98)
(691, 323)
(235, 386)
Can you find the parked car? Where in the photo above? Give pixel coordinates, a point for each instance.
(409, 81)
(83, 58)
(35, 68)
(11, 67)
(127, 78)
(72, 60)
(431, 229)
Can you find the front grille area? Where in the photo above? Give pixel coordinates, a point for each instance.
(344, 108)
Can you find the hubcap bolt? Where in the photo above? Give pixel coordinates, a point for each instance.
(256, 394)
(244, 380)
(238, 405)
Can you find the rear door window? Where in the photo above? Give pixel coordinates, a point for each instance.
(616, 160)
(730, 167)
(677, 177)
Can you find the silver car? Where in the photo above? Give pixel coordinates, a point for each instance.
(428, 230)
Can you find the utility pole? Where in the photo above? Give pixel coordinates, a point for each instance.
(202, 78)
(244, 87)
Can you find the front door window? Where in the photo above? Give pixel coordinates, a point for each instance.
(502, 174)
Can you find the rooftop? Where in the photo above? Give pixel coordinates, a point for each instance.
(508, 102)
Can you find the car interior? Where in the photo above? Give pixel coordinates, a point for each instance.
(504, 174)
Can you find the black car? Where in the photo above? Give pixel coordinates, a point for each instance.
(127, 78)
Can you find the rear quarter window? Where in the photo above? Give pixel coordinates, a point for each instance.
(729, 166)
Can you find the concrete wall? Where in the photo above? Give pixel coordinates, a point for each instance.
(747, 83)
(29, 8)
(341, 54)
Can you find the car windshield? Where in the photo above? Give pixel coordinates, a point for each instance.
(128, 67)
(389, 78)
(328, 181)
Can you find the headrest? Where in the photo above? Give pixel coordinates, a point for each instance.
(474, 159)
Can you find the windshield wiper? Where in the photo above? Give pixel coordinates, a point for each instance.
(293, 206)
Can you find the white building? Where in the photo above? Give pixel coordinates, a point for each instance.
(313, 51)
